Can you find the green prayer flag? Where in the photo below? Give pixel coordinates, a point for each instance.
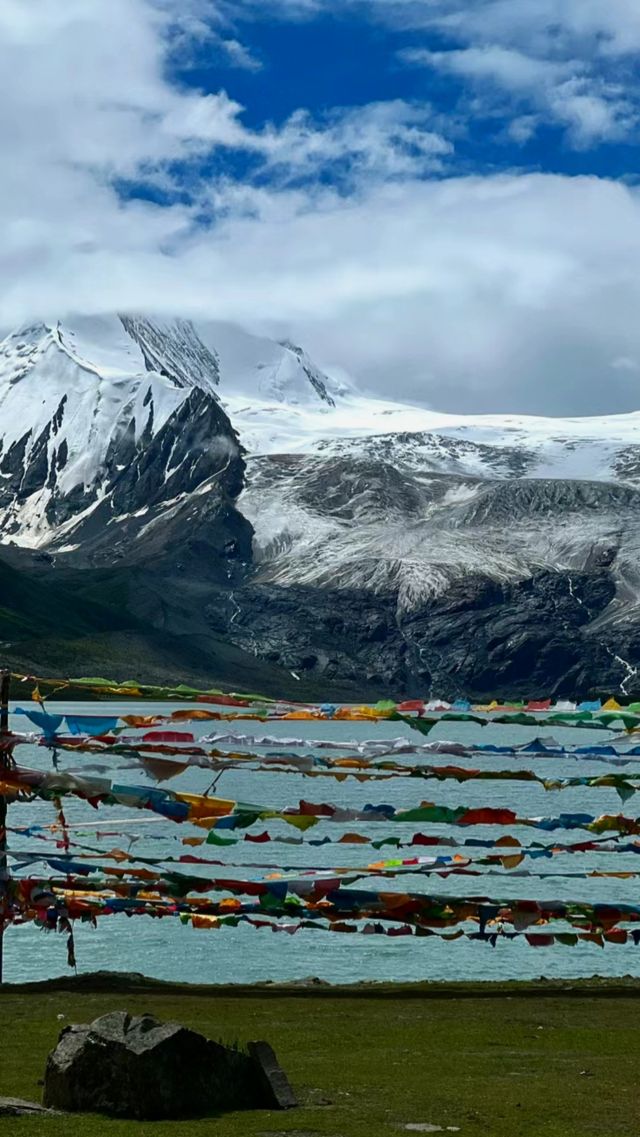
(422, 725)
(435, 813)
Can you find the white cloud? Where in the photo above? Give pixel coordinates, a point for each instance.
(560, 91)
(85, 82)
(390, 139)
(523, 128)
(240, 55)
(623, 363)
(204, 25)
(510, 68)
(84, 100)
(592, 113)
(541, 26)
(613, 26)
(511, 292)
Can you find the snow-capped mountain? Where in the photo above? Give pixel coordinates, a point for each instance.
(229, 492)
(87, 407)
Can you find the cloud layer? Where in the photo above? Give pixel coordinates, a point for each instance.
(514, 292)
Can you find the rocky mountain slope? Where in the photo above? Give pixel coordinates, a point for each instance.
(238, 514)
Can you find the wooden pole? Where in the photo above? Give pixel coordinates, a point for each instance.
(5, 685)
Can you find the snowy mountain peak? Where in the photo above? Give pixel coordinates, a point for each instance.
(174, 349)
(266, 372)
(316, 378)
(85, 399)
(71, 418)
(215, 357)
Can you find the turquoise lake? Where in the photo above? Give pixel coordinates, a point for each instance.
(168, 950)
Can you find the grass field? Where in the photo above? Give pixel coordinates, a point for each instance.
(516, 1060)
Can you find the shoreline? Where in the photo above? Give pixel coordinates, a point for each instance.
(106, 982)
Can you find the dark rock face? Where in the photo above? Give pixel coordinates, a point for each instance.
(174, 350)
(531, 636)
(196, 451)
(148, 1070)
(481, 637)
(187, 519)
(333, 636)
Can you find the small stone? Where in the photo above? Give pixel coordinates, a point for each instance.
(289, 1133)
(16, 1107)
(424, 1127)
(309, 981)
(427, 1127)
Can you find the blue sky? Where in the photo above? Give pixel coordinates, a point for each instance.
(336, 58)
(319, 63)
(437, 197)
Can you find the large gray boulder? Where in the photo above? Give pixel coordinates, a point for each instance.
(139, 1067)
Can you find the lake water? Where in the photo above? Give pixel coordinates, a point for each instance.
(166, 949)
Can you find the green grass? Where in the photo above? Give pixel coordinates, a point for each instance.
(511, 1061)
